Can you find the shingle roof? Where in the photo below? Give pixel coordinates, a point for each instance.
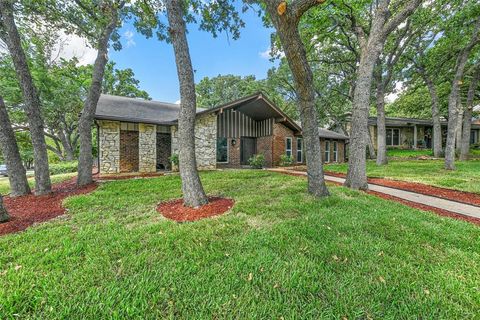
(136, 110)
(329, 134)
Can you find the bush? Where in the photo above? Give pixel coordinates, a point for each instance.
(257, 161)
(63, 167)
(174, 159)
(286, 161)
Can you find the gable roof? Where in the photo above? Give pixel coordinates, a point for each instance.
(329, 134)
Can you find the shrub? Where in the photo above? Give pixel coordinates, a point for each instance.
(175, 161)
(286, 161)
(63, 167)
(257, 161)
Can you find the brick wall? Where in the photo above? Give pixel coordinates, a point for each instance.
(265, 147)
(280, 133)
(129, 158)
(340, 148)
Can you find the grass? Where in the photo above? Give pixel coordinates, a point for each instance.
(465, 178)
(5, 185)
(409, 153)
(278, 253)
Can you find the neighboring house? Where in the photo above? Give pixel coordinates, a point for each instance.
(411, 133)
(137, 135)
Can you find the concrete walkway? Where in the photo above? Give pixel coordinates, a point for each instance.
(452, 206)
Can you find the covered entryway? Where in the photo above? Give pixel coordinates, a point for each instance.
(164, 150)
(248, 147)
(129, 158)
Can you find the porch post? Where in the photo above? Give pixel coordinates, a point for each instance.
(414, 136)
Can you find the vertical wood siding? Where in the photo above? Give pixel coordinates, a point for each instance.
(236, 124)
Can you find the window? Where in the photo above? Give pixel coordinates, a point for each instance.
(327, 151)
(299, 150)
(473, 138)
(335, 151)
(288, 147)
(222, 150)
(393, 137)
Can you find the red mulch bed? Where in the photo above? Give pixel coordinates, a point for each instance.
(175, 210)
(106, 177)
(30, 209)
(449, 194)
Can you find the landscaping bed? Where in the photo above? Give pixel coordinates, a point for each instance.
(30, 209)
(175, 210)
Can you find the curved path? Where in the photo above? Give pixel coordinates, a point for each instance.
(443, 204)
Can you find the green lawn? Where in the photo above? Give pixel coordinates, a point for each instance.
(408, 153)
(432, 172)
(5, 185)
(278, 253)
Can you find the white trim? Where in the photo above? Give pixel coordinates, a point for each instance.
(301, 150)
(291, 146)
(335, 151)
(327, 151)
(391, 142)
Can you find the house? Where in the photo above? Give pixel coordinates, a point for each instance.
(410, 132)
(137, 135)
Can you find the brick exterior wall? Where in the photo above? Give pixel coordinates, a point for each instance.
(340, 148)
(129, 157)
(109, 153)
(164, 145)
(280, 133)
(265, 146)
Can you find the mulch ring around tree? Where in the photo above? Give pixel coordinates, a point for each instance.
(175, 210)
(31, 209)
(448, 194)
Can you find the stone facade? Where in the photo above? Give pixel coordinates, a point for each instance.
(205, 141)
(109, 153)
(147, 147)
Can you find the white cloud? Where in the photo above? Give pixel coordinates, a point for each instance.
(177, 102)
(396, 92)
(129, 36)
(266, 54)
(71, 45)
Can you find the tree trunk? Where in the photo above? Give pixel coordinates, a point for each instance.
(4, 216)
(30, 96)
(454, 96)
(370, 147)
(437, 127)
(381, 130)
(85, 123)
(16, 171)
(458, 132)
(357, 174)
(467, 116)
(193, 193)
(67, 147)
(287, 29)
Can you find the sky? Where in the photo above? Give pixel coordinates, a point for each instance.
(153, 61)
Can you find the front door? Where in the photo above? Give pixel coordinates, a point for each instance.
(248, 147)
